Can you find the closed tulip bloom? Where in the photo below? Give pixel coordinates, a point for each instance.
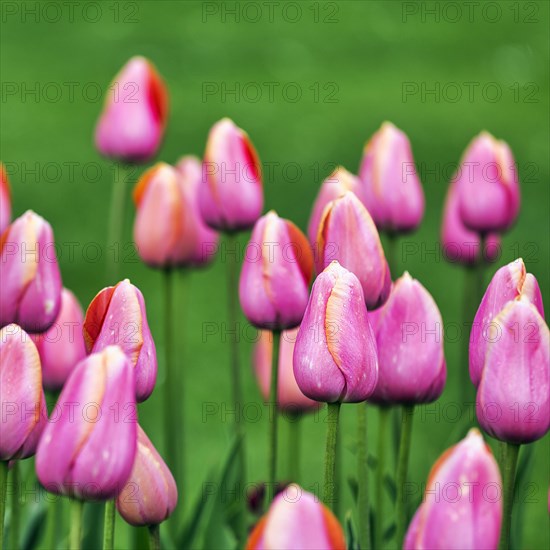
(296, 520)
(488, 185)
(461, 509)
(391, 188)
(30, 293)
(289, 396)
(513, 397)
(131, 126)
(150, 494)
(510, 282)
(22, 400)
(230, 194)
(335, 356)
(88, 448)
(348, 234)
(409, 337)
(336, 185)
(117, 316)
(277, 268)
(62, 346)
(5, 199)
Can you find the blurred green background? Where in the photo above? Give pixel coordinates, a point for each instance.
(351, 61)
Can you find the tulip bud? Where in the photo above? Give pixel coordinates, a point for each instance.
(289, 396)
(470, 517)
(391, 188)
(30, 293)
(348, 234)
(88, 449)
(117, 316)
(488, 185)
(513, 397)
(22, 400)
(150, 494)
(510, 282)
(131, 126)
(230, 195)
(409, 338)
(336, 185)
(62, 346)
(277, 268)
(460, 244)
(5, 199)
(335, 356)
(297, 520)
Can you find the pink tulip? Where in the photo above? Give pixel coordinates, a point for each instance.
(62, 346)
(23, 404)
(131, 126)
(30, 293)
(332, 188)
(348, 234)
(289, 396)
(462, 506)
(391, 188)
(513, 397)
(277, 268)
(150, 494)
(88, 447)
(335, 357)
(409, 337)
(5, 199)
(488, 185)
(117, 316)
(296, 520)
(230, 194)
(510, 282)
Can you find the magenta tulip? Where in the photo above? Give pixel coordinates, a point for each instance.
(335, 357)
(277, 268)
(134, 117)
(5, 199)
(87, 449)
(462, 506)
(30, 293)
(230, 195)
(391, 188)
(348, 234)
(117, 316)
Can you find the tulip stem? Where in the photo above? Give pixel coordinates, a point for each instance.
(363, 478)
(509, 480)
(391, 255)
(15, 506)
(470, 304)
(109, 526)
(3, 487)
(154, 537)
(383, 413)
(273, 416)
(293, 448)
(75, 535)
(333, 414)
(402, 467)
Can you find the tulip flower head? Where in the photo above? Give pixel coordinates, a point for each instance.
(296, 520)
(30, 293)
(488, 185)
(5, 199)
(511, 282)
(117, 316)
(277, 268)
(230, 194)
(87, 451)
(391, 188)
(335, 357)
(348, 234)
(467, 511)
(150, 494)
(20, 394)
(131, 126)
(62, 346)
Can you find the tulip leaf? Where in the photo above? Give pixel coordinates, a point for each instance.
(352, 543)
(391, 488)
(353, 487)
(35, 527)
(389, 533)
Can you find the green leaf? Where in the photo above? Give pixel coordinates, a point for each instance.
(391, 488)
(352, 543)
(389, 533)
(353, 487)
(35, 527)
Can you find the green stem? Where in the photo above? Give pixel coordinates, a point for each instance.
(391, 254)
(75, 536)
(470, 304)
(109, 526)
(154, 537)
(333, 413)
(15, 506)
(402, 467)
(274, 413)
(509, 478)
(383, 413)
(293, 448)
(53, 523)
(3, 487)
(181, 385)
(363, 478)
(480, 271)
